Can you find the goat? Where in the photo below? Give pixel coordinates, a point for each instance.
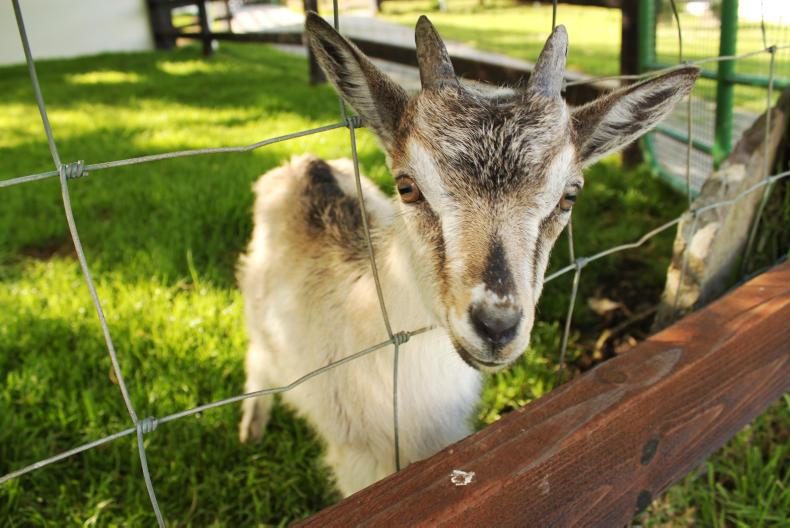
(485, 183)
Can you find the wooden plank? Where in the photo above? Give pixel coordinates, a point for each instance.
(172, 4)
(614, 4)
(587, 3)
(161, 25)
(709, 248)
(259, 37)
(600, 448)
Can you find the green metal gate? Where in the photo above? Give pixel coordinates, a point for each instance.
(730, 94)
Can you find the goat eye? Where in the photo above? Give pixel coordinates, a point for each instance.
(567, 200)
(408, 190)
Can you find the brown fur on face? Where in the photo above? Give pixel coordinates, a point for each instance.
(491, 163)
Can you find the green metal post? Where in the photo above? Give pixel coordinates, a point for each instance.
(725, 88)
(646, 44)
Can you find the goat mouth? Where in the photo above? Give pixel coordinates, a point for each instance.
(478, 364)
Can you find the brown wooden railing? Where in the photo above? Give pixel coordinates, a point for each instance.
(600, 448)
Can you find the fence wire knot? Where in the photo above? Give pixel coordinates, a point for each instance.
(74, 170)
(147, 425)
(353, 121)
(400, 338)
(581, 262)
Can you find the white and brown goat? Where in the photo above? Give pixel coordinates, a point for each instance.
(485, 182)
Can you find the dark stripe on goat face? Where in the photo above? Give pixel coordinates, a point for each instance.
(497, 276)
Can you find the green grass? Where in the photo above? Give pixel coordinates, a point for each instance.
(162, 240)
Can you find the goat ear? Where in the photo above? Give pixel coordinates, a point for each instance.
(616, 119)
(376, 98)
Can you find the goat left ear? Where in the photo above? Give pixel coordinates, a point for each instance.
(615, 120)
(375, 97)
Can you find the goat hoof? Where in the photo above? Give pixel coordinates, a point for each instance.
(255, 416)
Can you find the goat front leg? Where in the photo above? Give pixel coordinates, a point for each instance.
(355, 467)
(255, 411)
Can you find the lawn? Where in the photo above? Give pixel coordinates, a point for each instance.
(162, 240)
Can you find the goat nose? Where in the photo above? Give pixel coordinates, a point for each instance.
(498, 325)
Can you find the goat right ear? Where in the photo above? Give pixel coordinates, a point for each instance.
(616, 119)
(375, 97)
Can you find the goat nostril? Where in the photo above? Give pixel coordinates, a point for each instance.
(497, 326)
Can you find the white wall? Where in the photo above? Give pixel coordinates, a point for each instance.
(67, 28)
(775, 11)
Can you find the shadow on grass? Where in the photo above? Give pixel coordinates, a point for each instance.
(172, 218)
(57, 407)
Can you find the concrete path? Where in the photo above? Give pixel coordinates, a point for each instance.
(359, 25)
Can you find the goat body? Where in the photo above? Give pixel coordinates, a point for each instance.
(486, 183)
(310, 300)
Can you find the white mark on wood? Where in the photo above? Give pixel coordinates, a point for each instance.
(544, 486)
(462, 478)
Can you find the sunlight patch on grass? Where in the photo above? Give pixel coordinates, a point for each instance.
(190, 67)
(104, 77)
(19, 123)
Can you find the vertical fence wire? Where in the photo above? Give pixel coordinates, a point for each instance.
(689, 108)
(336, 25)
(578, 264)
(147, 425)
(64, 172)
(377, 281)
(352, 123)
(553, 15)
(689, 147)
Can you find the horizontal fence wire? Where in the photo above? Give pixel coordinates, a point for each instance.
(85, 169)
(656, 73)
(69, 171)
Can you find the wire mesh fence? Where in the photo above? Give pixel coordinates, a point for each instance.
(65, 172)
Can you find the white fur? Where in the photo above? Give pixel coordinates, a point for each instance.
(293, 332)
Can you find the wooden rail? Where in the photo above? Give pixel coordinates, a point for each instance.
(598, 450)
